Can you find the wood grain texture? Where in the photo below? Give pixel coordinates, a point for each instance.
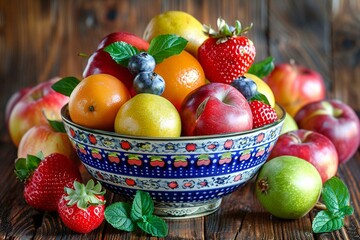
(300, 30)
(42, 39)
(346, 51)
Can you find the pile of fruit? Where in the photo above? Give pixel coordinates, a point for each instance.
(166, 91)
(181, 79)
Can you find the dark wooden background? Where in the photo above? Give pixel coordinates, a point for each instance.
(40, 39)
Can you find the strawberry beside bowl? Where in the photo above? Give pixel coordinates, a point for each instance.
(186, 176)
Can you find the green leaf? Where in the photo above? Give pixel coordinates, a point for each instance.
(335, 194)
(262, 68)
(118, 215)
(65, 85)
(121, 52)
(324, 221)
(58, 126)
(336, 198)
(166, 45)
(21, 170)
(142, 205)
(260, 97)
(347, 210)
(24, 167)
(154, 225)
(32, 162)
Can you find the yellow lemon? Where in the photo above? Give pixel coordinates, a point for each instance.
(180, 23)
(263, 88)
(289, 124)
(148, 115)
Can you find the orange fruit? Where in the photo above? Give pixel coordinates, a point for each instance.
(182, 74)
(95, 101)
(148, 115)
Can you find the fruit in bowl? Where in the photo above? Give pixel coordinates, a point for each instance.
(215, 108)
(186, 176)
(138, 143)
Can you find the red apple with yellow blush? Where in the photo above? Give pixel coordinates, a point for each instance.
(310, 146)
(337, 121)
(294, 86)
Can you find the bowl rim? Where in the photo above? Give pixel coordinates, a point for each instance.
(66, 118)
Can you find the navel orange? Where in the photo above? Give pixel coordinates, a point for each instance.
(95, 101)
(182, 74)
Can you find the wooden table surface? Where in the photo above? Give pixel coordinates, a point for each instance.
(42, 39)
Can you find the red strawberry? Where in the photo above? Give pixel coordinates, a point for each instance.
(262, 113)
(82, 207)
(45, 179)
(225, 55)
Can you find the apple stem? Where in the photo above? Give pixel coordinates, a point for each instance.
(84, 55)
(320, 206)
(337, 112)
(295, 137)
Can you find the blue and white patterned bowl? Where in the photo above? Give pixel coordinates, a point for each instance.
(185, 176)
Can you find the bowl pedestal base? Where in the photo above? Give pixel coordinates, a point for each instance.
(186, 210)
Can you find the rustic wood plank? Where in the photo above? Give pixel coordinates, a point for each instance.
(233, 210)
(346, 51)
(350, 174)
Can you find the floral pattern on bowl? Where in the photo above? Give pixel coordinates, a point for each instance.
(180, 172)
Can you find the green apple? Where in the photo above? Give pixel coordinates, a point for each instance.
(289, 124)
(288, 187)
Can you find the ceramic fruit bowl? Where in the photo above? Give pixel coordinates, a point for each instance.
(185, 176)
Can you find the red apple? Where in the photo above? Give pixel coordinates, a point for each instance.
(32, 108)
(12, 101)
(337, 121)
(310, 146)
(215, 108)
(45, 139)
(101, 62)
(294, 86)
(127, 37)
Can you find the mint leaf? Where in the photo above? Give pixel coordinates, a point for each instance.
(326, 222)
(260, 97)
(166, 45)
(65, 85)
(142, 206)
(154, 225)
(124, 216)
(262, 68)
(118, 215)
(336, 198)
(335, 194)
(347, 210)
(58, 126)
(121, 52)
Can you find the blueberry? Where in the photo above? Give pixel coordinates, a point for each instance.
(149, 82)
(142, 62)
(246, 86)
